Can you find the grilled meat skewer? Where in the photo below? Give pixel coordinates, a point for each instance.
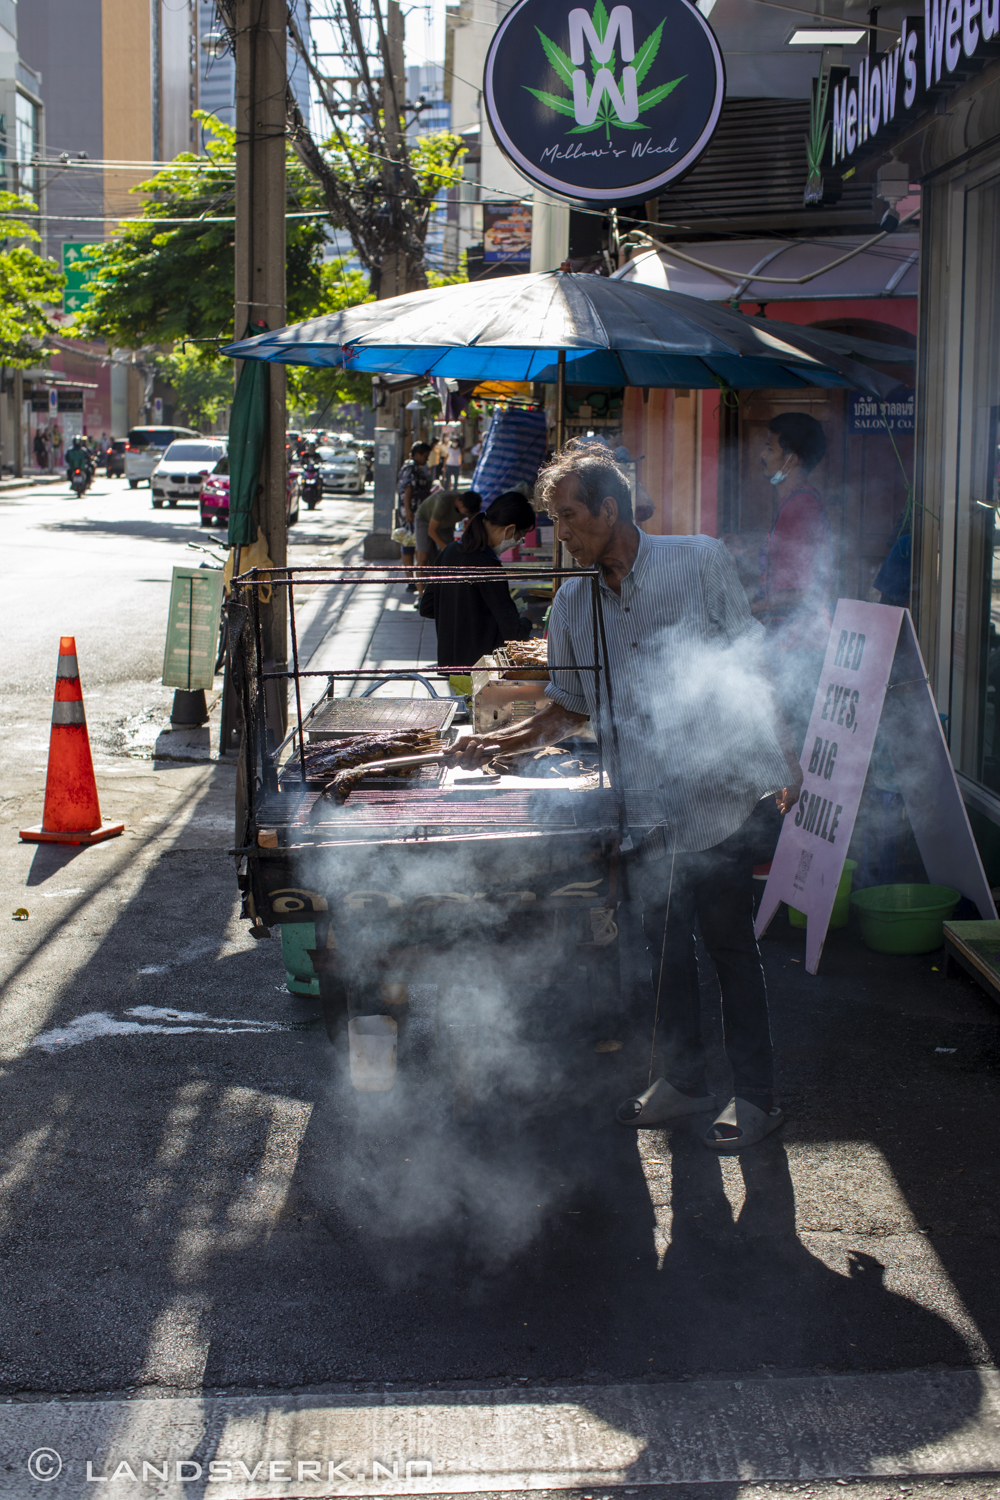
(321, 764)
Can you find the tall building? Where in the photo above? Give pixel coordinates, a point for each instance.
(117, 81)
(426, 81)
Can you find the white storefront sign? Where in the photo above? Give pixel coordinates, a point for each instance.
(873, 675)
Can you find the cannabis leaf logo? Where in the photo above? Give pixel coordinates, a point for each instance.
(613, 91)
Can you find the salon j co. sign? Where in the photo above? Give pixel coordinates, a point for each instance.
(934, 52)
(604, 107)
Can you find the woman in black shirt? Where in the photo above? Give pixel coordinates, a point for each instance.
(473, 619)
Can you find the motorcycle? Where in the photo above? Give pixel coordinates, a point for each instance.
(312, 487)
(79, 480)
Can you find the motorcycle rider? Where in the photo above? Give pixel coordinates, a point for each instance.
(78, 457)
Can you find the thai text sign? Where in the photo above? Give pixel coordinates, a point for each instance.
(193, 628)
(868, 414)
(603, 106)
(873, 677)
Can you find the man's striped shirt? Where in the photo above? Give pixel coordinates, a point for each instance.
(692, 701)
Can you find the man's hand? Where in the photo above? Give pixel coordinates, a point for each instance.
(789, 795)
(550, 724)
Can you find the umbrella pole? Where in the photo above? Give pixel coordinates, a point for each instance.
(561, 401)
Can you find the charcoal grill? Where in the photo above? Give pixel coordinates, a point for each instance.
(425, 864)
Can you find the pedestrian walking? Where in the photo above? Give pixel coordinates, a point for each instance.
(41, 448)
(413, 485)
(453, 463)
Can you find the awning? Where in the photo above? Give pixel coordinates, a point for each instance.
(888, 269)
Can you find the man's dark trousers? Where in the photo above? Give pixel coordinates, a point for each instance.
(714, 888)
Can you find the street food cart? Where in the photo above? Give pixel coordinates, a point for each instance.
(414, 872)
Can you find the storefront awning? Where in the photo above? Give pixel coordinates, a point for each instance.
(888, 269)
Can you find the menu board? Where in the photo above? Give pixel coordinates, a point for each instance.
(873, 677)
(193, 628)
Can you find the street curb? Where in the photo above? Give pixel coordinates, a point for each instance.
(31, 483)
(734, 1431)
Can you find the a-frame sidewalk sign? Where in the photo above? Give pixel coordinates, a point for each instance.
(873, 675)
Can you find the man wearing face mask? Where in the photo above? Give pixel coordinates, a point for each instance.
(698, 742)
(796, 574)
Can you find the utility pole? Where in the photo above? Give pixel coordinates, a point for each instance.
(261, 79)
(378, 543)
(394, 280)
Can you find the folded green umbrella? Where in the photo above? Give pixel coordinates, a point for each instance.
(247, 430)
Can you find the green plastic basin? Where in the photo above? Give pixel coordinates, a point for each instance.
(904, 918)
(841, 902)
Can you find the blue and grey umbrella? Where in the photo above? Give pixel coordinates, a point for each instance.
(561, 325)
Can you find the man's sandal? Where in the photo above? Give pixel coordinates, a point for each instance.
(751, 1123)
(660, 1104)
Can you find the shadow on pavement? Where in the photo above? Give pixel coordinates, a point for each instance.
(198, 1200)
(52, 859)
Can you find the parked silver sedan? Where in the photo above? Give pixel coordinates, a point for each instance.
(342, 469)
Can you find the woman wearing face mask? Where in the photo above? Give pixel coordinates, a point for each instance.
(473, 619)
(796, 565)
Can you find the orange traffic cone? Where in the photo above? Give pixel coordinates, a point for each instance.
(72, 813)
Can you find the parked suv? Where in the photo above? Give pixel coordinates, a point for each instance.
(144, 448)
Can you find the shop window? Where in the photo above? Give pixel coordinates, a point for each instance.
(975, 707)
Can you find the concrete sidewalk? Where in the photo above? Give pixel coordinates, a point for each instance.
(372, 625)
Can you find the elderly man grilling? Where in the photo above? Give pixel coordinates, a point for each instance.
(700, 742)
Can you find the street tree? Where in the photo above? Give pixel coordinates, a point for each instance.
(378, 182)
(29, 284)
(157, 281)
(201, 382)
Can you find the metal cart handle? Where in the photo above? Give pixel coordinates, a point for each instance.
(407, 677)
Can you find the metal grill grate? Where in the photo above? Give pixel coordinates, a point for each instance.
(345, 716)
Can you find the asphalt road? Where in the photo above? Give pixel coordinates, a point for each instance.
(195, 1204)
(99, 568)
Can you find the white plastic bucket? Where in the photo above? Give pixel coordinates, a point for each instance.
(373, 1053)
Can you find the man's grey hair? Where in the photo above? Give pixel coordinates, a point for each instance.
(597, 476)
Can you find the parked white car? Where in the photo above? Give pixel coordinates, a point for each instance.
(183, 469)
(342, 469)
(145, 447)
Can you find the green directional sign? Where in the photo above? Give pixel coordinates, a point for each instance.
(78, 268)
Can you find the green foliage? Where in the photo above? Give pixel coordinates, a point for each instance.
(311, 389)
(28, 284)
(158, 283)
(202, 384)
(562, 66)
(819, 126)
(453, 278)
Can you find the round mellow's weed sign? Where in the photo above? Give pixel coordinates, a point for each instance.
(604, 107)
